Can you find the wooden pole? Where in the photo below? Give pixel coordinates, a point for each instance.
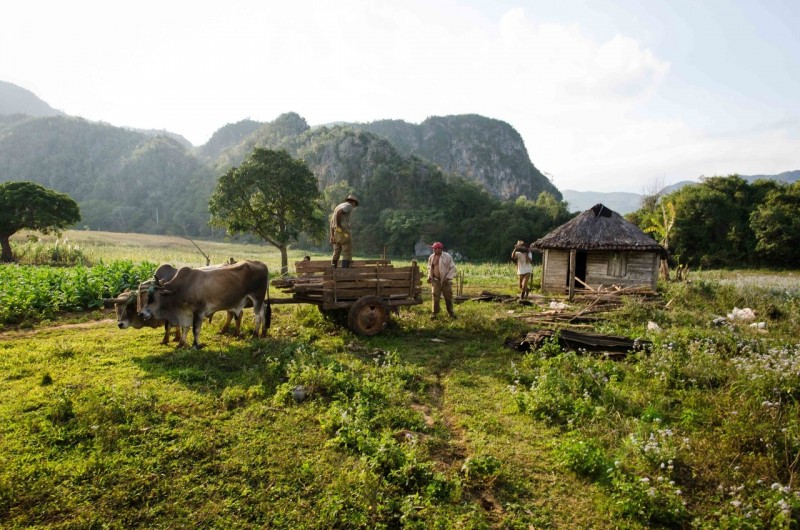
(572, 256)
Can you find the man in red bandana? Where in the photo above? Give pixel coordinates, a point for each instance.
(441, 271)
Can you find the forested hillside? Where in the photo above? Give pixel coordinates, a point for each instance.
(133, 181)
(123, 180)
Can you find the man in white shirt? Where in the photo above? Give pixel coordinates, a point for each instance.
(441, 271)
(521, 255)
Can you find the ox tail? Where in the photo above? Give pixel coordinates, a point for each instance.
(267, 310)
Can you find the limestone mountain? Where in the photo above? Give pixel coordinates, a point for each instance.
(486, 151)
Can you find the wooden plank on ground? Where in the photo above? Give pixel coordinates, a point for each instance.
(578, 340)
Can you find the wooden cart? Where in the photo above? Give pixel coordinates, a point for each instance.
(368, 290)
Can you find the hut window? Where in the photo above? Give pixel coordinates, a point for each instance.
(618, 264)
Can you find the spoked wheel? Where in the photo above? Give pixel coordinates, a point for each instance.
(368, 315)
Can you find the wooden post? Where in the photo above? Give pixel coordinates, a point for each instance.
(572, 256)
(413, 282)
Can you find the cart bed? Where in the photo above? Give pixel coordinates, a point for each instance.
(336, 288)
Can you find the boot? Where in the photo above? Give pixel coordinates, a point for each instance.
(345, 263)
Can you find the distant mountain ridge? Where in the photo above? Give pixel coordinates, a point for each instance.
(625, 202)
(127, 179)
(100, 164)
(17, 100)
(620, 201)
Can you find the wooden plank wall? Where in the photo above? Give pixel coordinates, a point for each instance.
(642, 269)
(554, 271)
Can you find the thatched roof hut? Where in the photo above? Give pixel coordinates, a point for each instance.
(598, 248)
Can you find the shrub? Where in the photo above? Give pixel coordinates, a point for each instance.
(586, 457)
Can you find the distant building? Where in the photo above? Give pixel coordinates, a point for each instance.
(600, 247)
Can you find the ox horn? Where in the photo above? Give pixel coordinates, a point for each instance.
(111, 302)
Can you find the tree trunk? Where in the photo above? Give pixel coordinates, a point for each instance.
(7, 256)
(284, 259)
(664, 266)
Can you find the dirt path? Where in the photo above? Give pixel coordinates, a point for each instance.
(18, 334)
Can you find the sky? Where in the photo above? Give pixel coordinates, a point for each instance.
(624, 95)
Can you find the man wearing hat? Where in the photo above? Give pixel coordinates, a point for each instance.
(441, 271)
(521, 255)
(340, 235)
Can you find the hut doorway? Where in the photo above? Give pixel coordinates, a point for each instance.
(580, 269)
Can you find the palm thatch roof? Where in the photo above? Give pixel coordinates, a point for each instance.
(598, 228)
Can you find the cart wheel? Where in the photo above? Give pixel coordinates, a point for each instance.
(368, 315)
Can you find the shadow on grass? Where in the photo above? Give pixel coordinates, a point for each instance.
(216, 367)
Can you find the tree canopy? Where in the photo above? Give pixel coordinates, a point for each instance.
(728, 222)
(27, 205)
(271, 195)
(776, 225)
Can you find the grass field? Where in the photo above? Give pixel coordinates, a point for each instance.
(430, 424)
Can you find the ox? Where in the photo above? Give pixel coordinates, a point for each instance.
(193, 294)
(128, 317)
(166, 272)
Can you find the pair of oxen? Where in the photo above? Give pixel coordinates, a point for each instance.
(184, 297)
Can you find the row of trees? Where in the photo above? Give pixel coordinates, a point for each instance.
(721, 222)
(727, 222)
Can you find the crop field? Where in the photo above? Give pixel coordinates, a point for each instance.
(433, 423)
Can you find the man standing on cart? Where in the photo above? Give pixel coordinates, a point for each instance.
(340, 235)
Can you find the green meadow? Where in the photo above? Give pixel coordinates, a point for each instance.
(429, 424)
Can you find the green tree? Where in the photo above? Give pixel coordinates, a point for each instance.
(776, 224)
(712, 224)
(32, 206)
(272, 196)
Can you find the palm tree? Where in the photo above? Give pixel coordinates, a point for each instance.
(661, 226)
